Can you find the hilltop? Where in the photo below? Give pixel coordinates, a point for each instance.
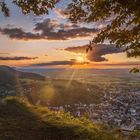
(12, 76)
(20, 120)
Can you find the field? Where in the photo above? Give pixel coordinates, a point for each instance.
(69, 87)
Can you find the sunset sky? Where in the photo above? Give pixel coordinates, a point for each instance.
(53, 41)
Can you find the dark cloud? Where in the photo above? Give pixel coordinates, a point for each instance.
(4, 53)
(18, 33)
(97, 53)
(59, 63)
(17, 58)
(54, 63)
(122, 64)
(50, 30)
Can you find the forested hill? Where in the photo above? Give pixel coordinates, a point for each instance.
(10, 75)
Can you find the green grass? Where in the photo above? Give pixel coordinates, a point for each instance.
(20, 120)
(62, 92)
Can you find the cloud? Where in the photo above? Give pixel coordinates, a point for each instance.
(74, 62)
(122, 64)
(4, 53)
(98, 52)
(18, 33)
(37, 19)
(54, 63)
(59, 63)
(17, 58)
(50, 30)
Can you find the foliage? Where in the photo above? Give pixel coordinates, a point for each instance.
(38, 7)
(4, 8)
(121, 18)
(135, 70)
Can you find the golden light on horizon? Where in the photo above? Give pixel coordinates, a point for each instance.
(80, 59)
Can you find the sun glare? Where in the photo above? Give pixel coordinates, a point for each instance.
(80, 59)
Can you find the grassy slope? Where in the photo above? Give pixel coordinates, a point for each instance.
(62, 92)
(21, 121)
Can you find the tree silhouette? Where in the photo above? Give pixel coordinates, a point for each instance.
(38, 7)
(121, 21)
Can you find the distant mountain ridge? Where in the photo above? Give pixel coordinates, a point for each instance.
(10, 75)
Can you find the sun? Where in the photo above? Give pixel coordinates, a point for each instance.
(80, 59)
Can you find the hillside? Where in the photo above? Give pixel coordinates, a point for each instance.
(51, 91)
(63, 92)
(10, 75)
(21, 121)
